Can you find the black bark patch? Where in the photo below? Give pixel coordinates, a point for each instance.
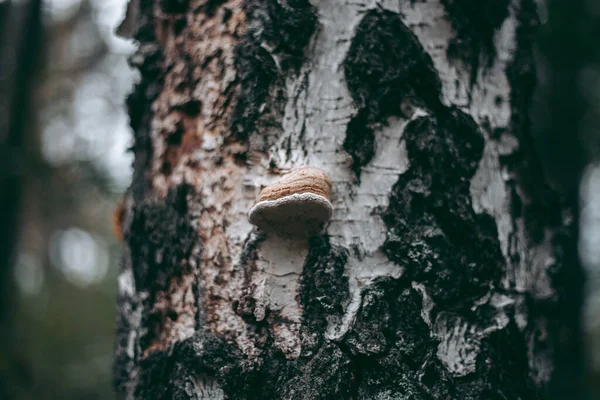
(433, 230)
(371, 330)
(385, 66)
(286, 27)
(411, 342)
(262, 379)
(323, 291)
(161, 238)
(475, 23)
(502, 369)
(389, 342)
(360, 141)
(256, 71)
(275, 377)
(174, 6)
(397, 383)
(389, 324)
(330, 367)
(501, 372)
(148, 59)
(179, 368)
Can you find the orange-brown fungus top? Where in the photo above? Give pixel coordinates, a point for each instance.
(300, 180)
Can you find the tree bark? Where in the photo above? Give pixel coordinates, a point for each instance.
(442, 273)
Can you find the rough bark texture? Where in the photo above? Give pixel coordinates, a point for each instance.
(439, 276)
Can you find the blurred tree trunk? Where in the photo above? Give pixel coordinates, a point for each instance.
(443, 272)
(20, 29)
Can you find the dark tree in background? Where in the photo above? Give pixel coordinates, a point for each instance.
(450, 265)
(57, 292)
(20, 39)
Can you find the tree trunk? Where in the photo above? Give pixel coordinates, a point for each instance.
(440, 275)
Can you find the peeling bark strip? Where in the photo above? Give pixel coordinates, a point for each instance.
(441, 273)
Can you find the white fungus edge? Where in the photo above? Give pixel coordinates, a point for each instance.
(295, 198)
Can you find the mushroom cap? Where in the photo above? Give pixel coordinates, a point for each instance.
(296, 206)
(296, 215)
(299, 180)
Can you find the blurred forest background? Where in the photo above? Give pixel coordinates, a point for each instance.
(63, 285)
(57, 316)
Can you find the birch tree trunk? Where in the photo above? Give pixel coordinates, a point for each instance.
(442, 274)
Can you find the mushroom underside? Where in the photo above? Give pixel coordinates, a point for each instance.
(296, 215)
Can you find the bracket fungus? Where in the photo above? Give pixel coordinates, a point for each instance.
(296, 206)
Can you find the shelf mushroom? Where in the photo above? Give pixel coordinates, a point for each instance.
(296, 206)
